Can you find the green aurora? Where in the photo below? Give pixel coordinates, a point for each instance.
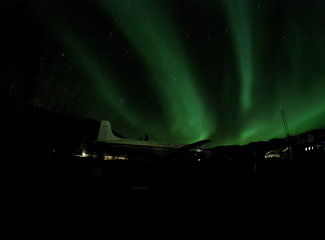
(239, 18)
(100, 79)
(171, 77)
(268, 56)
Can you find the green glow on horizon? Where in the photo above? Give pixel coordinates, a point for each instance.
(294, 81)
(171, 77)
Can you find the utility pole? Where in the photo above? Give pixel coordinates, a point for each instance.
(284, 119)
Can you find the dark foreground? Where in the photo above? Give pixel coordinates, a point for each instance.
(246, 189)
(210, 194)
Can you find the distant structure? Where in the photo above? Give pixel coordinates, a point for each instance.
(313, 136)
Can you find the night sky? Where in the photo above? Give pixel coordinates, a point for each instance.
(177, 70)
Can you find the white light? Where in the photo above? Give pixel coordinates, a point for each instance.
(83, 154)
(306, 149)
(274, 155)
(111, 157)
